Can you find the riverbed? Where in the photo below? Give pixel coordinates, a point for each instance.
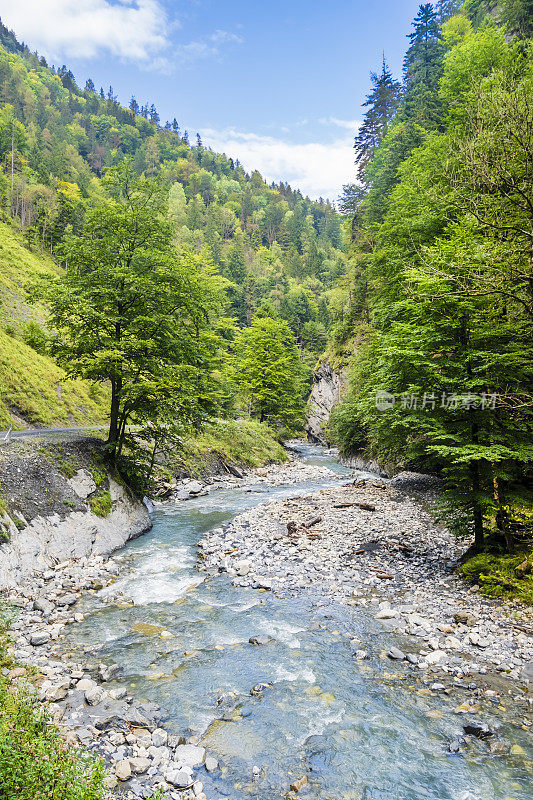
(298, 708)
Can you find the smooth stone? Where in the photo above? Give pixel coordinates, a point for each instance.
(39, 638)
(261, 639)
(58, 691)
(139, 765)
(159, 737)
(43, 605)
(108, 673)
(179, 778)
(211, 764)
(123, 770)
(93, 696)
(66, 600)
(396, 654)
(190, 755)
(386, 613)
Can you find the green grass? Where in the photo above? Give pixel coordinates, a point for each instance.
(102, 504)
(494, 573)
(33, 389)
(35, 762)
(19, 270)
(236, 441)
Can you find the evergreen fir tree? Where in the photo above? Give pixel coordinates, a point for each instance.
(134, 107)
(446, 9)
(382, 104)
(423, 65)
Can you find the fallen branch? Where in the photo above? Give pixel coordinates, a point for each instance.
(364, 506)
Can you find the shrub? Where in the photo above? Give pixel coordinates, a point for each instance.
(102, 504)
(35, 762)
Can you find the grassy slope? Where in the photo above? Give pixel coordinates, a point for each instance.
(231, 441)
(33, 389)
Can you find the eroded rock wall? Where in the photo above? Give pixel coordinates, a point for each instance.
(328, 388)
(50, 516)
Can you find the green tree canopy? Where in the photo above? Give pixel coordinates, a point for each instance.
(269, 372)
(130, 310)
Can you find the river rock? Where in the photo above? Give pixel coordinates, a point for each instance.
(436, 657)
(396, 654)
(93, 696)
(159, 737)
(108, 673)
(386, 613)
(85, 685)
(211, 764)
(123, 770)
(260, 639)
(481, 730)
(58, 691)
(67, 600)
(527, 672)
(180, 778)
(139, 765)
(43, 605)
(190, 755)
(39, 638)
(465, 618)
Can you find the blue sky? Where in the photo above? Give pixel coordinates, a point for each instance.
(277, 84)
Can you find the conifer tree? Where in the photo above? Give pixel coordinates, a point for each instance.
(382, 104)
(446, 9)
(134, 107)
(423, 65)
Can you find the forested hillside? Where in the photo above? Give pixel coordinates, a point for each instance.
(263, 251)
(442, 266)
(57, 141)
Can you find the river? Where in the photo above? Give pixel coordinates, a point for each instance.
(357, 729)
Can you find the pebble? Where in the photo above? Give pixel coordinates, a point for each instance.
(396, 654)
(211, 764)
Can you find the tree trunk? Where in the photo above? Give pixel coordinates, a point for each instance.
(112, 439)
(479, 538)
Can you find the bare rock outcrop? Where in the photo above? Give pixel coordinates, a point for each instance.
(328, 387)
(61, 508)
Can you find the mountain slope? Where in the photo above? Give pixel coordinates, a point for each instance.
(33, 389)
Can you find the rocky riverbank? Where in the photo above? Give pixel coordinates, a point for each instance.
(367, 544)
(128, 734)
(87, 699)
(371, 545)
(58, 502)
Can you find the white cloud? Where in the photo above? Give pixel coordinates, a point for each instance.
(134, 30)
(316, 168)
(206, 47)
(348, 124)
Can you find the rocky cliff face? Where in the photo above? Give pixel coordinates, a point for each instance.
(58, 506)
(328, 387)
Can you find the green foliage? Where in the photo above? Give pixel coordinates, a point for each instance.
(269, 372)
(101, 504)
(130, 310)
(34, 336)
(35, 762)
(495, 574)
(240, 441)
(442, 258)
